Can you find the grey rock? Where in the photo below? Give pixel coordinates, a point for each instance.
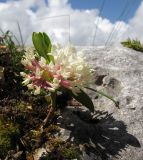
(121, 72)
(111, 133)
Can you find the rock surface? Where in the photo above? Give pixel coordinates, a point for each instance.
(113, 133)
(119, 72)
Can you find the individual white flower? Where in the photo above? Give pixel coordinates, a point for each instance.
(26, 81)
(37, 90)
(51, 89)
(30, 86)
(65, 74)
(23, 74)
(38, 73)
(56, 83)
(28, 57)
(26, 62)
(79, 68)
(42, 62)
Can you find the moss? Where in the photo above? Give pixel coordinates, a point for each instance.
(71, 152)
(64, 150)
(52, 129)
(23, 106)
(35, 138)
(9, 134)
(55, 143)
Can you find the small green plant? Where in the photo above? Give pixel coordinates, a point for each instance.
(10, 54)
(134, 44)
(10, 58)
(9, 134)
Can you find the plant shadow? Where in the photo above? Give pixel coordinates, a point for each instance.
(102, 134)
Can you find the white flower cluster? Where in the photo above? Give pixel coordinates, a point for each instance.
(74, 66)
(69, 69)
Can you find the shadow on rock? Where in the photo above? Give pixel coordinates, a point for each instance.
(101, 134)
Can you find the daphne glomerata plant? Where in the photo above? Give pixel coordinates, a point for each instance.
(50, 69)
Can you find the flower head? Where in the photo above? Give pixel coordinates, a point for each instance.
(69, 70)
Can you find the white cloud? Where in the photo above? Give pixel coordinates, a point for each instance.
(82, 22)
(136, 24)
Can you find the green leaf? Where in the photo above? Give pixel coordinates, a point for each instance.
(48, 42)
(37, 41)
(105, 95)
(84, 99)
(38, 44)
(42, 44)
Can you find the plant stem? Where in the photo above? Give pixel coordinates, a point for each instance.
(52, 110)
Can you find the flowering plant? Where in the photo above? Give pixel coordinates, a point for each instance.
(50, 69)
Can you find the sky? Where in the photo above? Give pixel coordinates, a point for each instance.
(112, 8)
(80, 22)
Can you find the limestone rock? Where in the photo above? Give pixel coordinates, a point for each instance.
(119, 73)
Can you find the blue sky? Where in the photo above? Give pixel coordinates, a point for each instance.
(112, 8)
